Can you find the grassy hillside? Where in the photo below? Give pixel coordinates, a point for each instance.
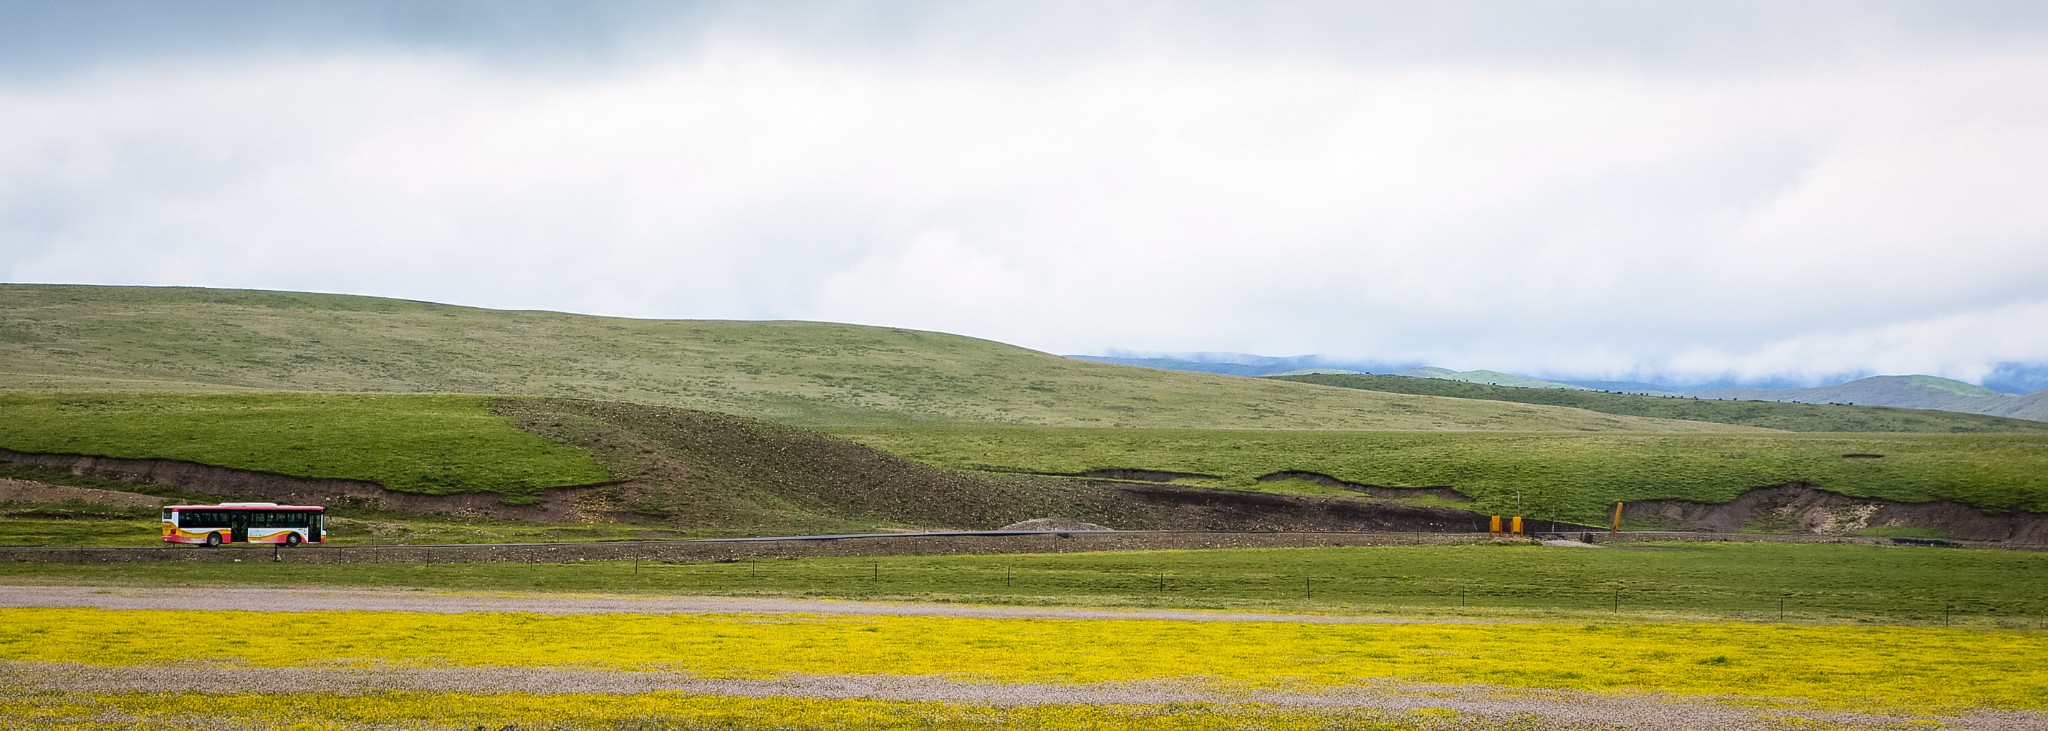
(1769, 415)
(1913, 392)
(1560, 476)
(675, 471)
(1490, 378)
(425, 444)
(134, 338)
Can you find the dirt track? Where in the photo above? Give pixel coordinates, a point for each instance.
(1497, 707)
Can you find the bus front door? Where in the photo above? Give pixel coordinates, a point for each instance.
(238, 528)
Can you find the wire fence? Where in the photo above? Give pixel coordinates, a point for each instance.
(1328, 591)
(1032, 577)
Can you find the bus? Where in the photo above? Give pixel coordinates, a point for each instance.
(213, 525)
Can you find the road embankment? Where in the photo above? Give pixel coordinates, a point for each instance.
(905, 544)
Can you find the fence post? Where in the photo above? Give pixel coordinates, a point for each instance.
(1308, 588)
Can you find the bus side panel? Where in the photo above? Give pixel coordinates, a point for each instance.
(174, 534)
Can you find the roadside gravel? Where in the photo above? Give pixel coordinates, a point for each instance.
(1493, 706)
(302, 600)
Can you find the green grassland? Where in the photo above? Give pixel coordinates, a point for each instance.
(1559, 476)
(427, 444)
(665, 471)
(1764, 414)
(136, 338)
(1837, 582)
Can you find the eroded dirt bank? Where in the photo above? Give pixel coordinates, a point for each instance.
(23, 491)
(1801, 507)
(557, 505)
(1379, 491)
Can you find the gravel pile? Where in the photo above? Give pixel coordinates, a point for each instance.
(1562, 543)
(1052, 524)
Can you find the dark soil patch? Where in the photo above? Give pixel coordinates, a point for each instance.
(1052, 524)
(1863, 456)
(1801, 507)
(1380, 491)
(555, 504)
(36, 493)
(1114, 473)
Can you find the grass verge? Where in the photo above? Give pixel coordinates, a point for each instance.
(1749, 581)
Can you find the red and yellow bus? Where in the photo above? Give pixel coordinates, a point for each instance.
(213, 525)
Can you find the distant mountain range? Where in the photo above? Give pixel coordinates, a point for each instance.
(1239, 364)
(1911, 392)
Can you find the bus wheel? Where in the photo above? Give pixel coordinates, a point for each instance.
(213, 540)
(291, 540)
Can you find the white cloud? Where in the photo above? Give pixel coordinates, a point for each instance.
(1878, 213)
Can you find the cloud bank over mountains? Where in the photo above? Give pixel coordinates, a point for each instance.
(1607, 190)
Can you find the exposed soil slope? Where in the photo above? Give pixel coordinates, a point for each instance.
(1392, 493)
(702, 470)
(34, 493)
(553, 505)
(1802, 508)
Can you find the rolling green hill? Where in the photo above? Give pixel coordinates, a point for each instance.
(55, 337)
(1913, 392)
(1490, 378)
(1770, 415)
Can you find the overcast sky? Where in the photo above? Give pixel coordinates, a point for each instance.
(1623, 190)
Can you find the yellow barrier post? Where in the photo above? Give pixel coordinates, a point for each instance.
(1614, 528)
(1494, 528)
(1517, 527)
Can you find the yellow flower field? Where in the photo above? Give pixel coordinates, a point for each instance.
(1843, 667)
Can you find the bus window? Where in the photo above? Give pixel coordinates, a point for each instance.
(203, 519)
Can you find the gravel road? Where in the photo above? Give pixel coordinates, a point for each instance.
(1493, 706)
